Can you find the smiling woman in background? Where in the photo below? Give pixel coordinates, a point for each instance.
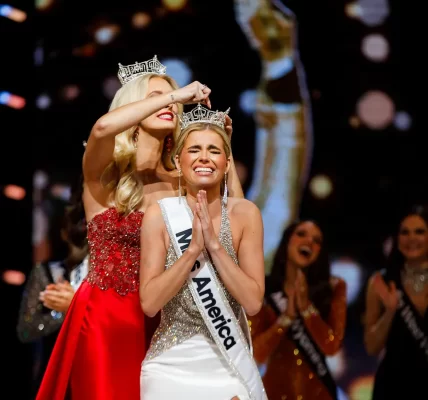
(396, 316)
(303, 319)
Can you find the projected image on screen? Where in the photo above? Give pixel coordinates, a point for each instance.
(282, 114)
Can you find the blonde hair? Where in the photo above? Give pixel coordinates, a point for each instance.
(121, 176)
(202, 126)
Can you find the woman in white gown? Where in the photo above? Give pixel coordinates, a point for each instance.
(204, 269)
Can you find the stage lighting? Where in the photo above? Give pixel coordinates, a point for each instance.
(402, 120)
(350, 271)
(321, 186)
(12, 100)
(179, 70)
(43, 101)
(140, 20)
(174, 5)
(12, 13)
(375, 47)
(14, 192)
(376, 109)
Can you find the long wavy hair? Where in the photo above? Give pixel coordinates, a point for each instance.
(317, 274)
(395, 260)
(121, 176)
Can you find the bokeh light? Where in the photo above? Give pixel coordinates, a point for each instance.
(354, 121)
(12, 13)
(387, 246)
(351, 272)
(376, 109)
(402, 120)
(247, 101)
(40, 179)
(337, 364)
(39, 55)
(174, 5)
(43, 101)
(70, 92)
(14, 192)
(88, 50)
(13, 277)
(361, 388)
(369, 12)
(12, 100)
(179, 70)
(375, 47)
(105, 34)
(321, 186)
(61, 191)
(141, 20)
(43, 4)
(110, 86)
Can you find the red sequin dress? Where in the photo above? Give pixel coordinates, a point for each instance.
(105, 335)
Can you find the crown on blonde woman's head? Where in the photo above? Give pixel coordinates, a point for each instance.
(127, 73)
(202, 114)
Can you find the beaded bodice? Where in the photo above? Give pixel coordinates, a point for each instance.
(180, 318)
(114, 245)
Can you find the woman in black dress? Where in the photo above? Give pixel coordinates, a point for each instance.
(396, 325)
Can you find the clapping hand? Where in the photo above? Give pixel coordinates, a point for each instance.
(387, 293)
(57, 296)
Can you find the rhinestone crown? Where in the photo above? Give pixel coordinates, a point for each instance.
(201, 114)
(127, 73)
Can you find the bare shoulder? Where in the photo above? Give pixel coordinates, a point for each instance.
(153, 216)
(243, 207)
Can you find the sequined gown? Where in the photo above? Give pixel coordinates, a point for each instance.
(288, 375)
(105, 335)
(183, 362)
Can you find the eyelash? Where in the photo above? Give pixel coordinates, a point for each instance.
(212, 151)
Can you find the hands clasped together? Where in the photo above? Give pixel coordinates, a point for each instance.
(203, 235)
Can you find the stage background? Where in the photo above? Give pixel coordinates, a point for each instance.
(365, 132)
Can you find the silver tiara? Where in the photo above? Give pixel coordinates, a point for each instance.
(201, 114)
(127, 73)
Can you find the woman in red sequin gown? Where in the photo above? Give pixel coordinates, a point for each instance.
(127, 167)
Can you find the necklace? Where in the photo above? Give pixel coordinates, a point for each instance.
(416, 277)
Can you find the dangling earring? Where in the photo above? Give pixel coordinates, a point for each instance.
(179, 186)
(168, 143)
(135, 139)
(225, 190)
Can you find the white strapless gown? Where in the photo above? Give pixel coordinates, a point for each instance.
(192, 370)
